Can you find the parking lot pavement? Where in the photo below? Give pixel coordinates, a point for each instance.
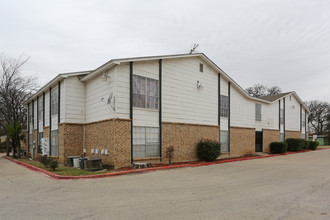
(285, 187)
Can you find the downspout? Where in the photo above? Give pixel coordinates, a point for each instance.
(84, 120)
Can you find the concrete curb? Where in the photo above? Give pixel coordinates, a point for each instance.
(119, 173)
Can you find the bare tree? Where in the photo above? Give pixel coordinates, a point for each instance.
(14, 90)
(317, 118)
(274, 90)
(257, 90)
(260, 90)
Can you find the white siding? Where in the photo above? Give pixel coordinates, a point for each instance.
(41, 129)
(141, 116)
(47, 108)
(35, 114)
(243, 112)
(96, 89)
(182, 101)
(74, 100)
(63, 101)
(292, 114)
(122, 79)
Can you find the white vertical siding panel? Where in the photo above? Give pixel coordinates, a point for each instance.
(223, 86)
(41, 129)
(292, 114)
(182, 100)
(74, 100)
(223, 124)
(123, 92)
(96, 89)
(54, 122)
(47, 108)
(35, 114)
(141, 116)
(63, 101)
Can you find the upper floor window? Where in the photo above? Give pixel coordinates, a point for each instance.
(258, 112)
(30, 113)
(303, 120)
(40, 108)
(54, 101)
(224, 106)
(201, 67)
(282, 116)
(145, 92)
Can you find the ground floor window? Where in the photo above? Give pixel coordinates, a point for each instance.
(30, 142)
(145, 142)
(54, 143)
(40, 135)
(224, 141)
(282, 137)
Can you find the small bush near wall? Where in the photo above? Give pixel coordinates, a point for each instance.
(278, 147)
(295, 144)
(208, 150)
(306, 145)
(313, 145)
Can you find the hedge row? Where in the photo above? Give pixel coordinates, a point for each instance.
(292, 144)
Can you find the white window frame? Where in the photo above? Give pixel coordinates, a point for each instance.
(142, 140)
(40, 108)
(258, 114)
(224, 106)
(54, 101)
(224, 141)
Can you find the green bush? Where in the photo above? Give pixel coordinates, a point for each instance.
(306, 145)
(45, 160)
(295, 144)
(208, 150)
(313, 145)
(278, 147)
(53, 164)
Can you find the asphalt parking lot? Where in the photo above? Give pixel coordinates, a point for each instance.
(286, 187)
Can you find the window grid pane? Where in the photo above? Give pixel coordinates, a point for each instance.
(224, 106)
(145, 142)
(145, 92)
(224, 141)
(54, 101)
(40, 109)
(258, 112)
(54, 143)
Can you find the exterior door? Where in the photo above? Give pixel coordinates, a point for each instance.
(258, 141)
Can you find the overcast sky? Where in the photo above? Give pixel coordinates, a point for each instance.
(278, 42)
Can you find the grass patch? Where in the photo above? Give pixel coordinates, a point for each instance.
(61, 170)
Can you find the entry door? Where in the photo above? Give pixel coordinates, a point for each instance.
(258, 141)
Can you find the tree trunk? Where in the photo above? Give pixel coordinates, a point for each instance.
(8, 147)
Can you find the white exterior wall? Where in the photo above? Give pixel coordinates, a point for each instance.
(143, 116)
(41, 128)
(122, 89)
(47, 108)
(73, 100)
(63, 101)
(35, 115)
(96, 89)
(243, 112)
(223, 91)
(292, 114)
(181, 100)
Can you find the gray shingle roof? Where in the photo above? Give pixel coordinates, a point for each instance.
(272, 98)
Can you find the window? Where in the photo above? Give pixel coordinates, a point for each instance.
(282, 116)
(30, 142)
(145, 142)
(145, 92)
(40, 109)
(224, 141)
(40, 135)
(201, 67)
(224, 106)
(54, 143)
(30, 113)
(54, 101)
(303, 120)
(282, 137)
(258, 112)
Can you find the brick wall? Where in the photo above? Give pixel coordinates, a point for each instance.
(184, 138)
(70, 141)
(292, 134)
(46, 132)
(242, 140)
(269, 136)
(112, 134)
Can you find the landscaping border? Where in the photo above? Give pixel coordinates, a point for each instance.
(119, 173)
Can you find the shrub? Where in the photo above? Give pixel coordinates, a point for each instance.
(306, 144)
(295, 144)
(278, 147)
(53, 164)
(208, 150)
(313, 145)
(169, 153)
(45, 160)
